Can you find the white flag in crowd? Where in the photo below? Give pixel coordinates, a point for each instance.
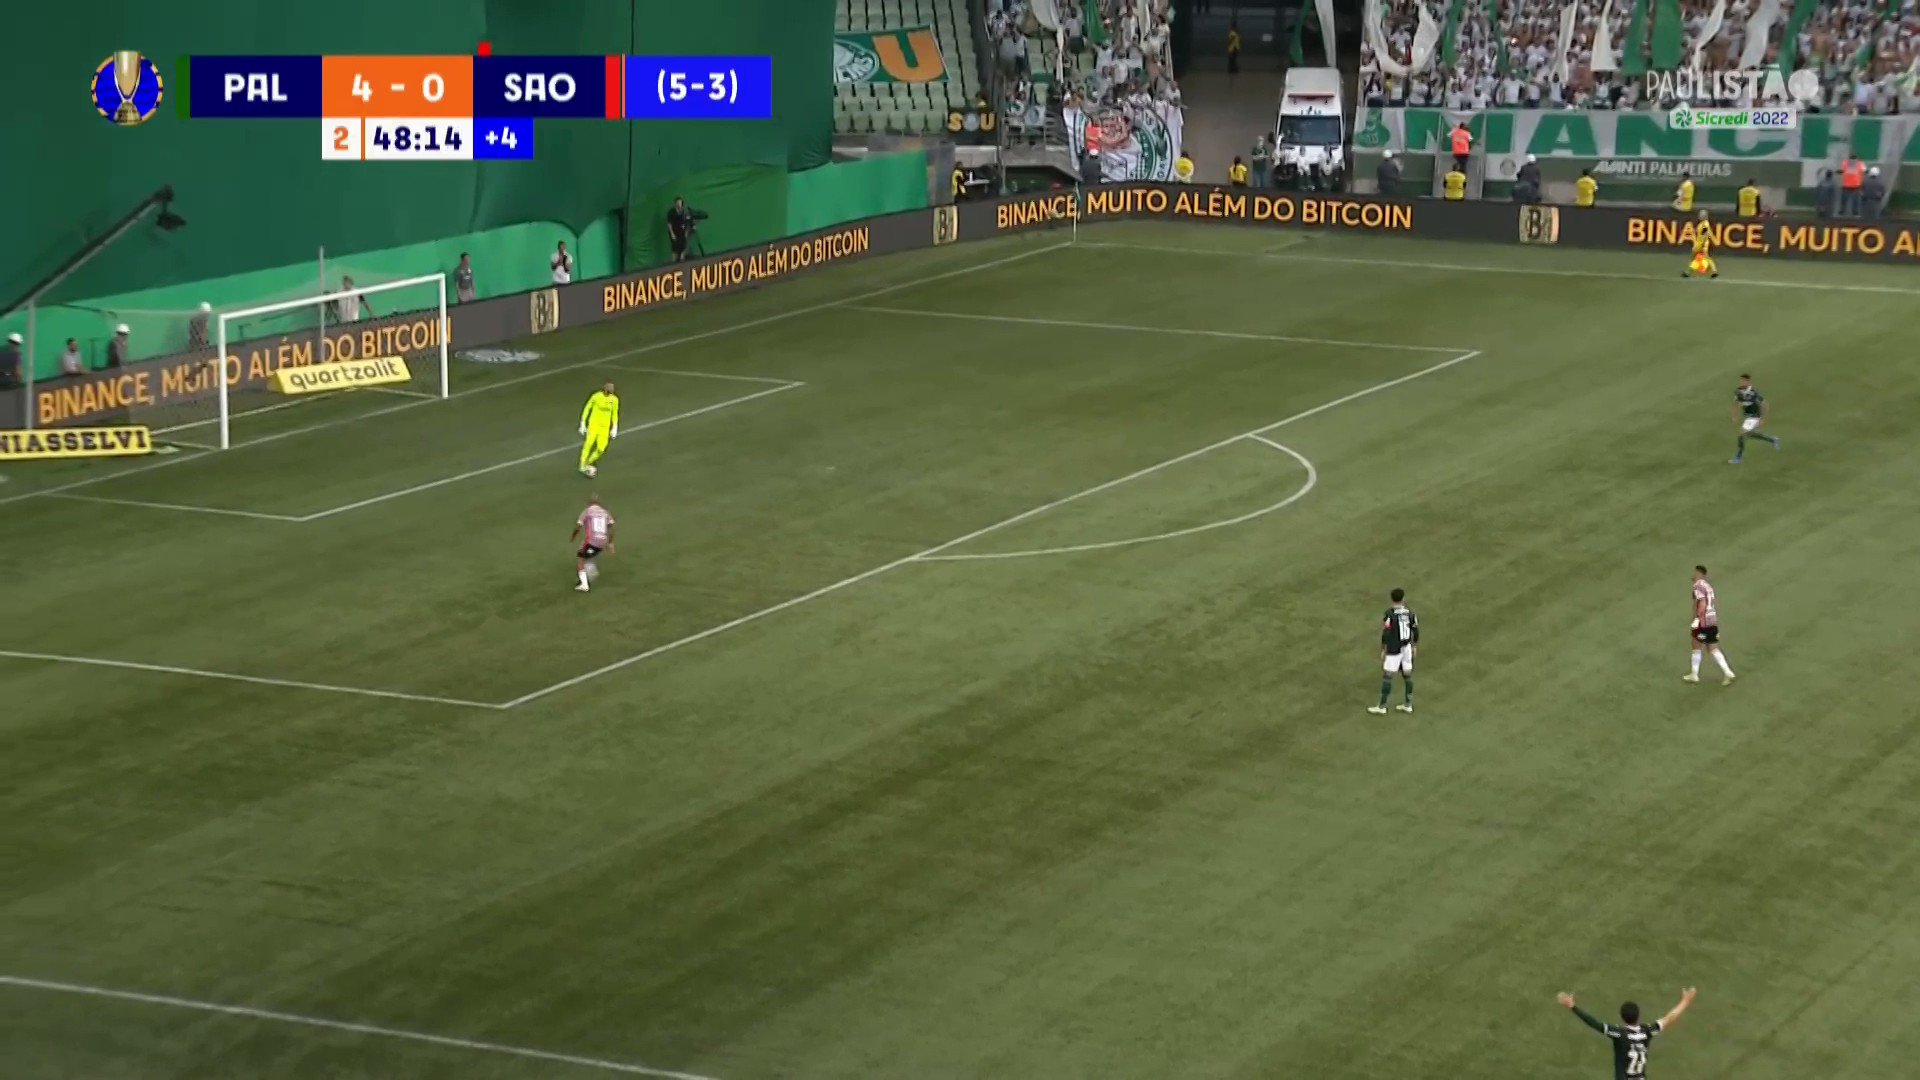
(1759, 25)
(1564, 43)
(1425, 40)
(1604, 58)
(1374, 22)
(1707, 30)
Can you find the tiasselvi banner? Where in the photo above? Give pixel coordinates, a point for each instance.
(907, 55)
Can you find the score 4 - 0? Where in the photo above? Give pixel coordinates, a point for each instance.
(433, 87)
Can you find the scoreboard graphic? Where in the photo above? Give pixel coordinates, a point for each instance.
(455, 108)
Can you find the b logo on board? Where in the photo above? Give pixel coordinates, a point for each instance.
(543, 310)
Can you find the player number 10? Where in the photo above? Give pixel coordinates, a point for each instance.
(433, 88)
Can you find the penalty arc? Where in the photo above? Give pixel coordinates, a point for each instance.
(1312, 481)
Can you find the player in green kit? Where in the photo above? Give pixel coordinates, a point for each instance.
(1399, 640)
(1749, 411)
(1630, 1037)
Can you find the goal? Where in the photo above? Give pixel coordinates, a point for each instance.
(406, 318)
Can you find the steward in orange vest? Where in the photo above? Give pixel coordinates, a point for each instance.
(1853, 174)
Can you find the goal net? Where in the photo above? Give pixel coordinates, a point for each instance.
(404, 319)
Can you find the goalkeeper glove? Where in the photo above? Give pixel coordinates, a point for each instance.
(583, 429)
(615, 433)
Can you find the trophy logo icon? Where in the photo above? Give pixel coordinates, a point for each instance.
(127, 88)
(126, 79)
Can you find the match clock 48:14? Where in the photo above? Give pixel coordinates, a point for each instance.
(421, 139)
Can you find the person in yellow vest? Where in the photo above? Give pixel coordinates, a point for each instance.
(1585, 188)
(1233, 49)
(1183, 168)
(1456, 185)
(1702, 262)
(1683, 195)
(1237, 173)
(1748, 201)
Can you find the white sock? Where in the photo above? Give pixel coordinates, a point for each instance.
(1721, 659)
(1696, 661)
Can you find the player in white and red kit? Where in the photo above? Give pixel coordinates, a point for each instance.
(594, 533)
(1705, 632)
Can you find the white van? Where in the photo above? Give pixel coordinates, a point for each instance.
(1311, 137)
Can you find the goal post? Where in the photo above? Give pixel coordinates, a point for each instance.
(321, 321)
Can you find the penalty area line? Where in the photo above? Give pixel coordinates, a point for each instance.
(229, 676)
(929, 554)
(767, 379)
(181, 508)
(1279, 255)
(1305, 489)
(1134, 328)
(536, 456)
(348, 1026)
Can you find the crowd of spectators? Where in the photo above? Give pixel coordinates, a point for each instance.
(1865, 52)
(1090, 54)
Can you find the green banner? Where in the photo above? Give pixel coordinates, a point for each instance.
(1507, 136)
(1669, 41)
(907, 55)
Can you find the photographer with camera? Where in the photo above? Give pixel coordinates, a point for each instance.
(682, 228)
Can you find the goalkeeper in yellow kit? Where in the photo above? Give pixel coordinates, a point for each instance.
(600, 424)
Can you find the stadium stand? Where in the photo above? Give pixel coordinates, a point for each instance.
(908, 108)
(1490, 54)
(1113, 53)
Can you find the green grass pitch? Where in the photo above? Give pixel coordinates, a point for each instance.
(978, 689)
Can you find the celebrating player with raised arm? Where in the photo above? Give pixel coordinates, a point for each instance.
(600, 424)
(593, 531)
(1630, 1038)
